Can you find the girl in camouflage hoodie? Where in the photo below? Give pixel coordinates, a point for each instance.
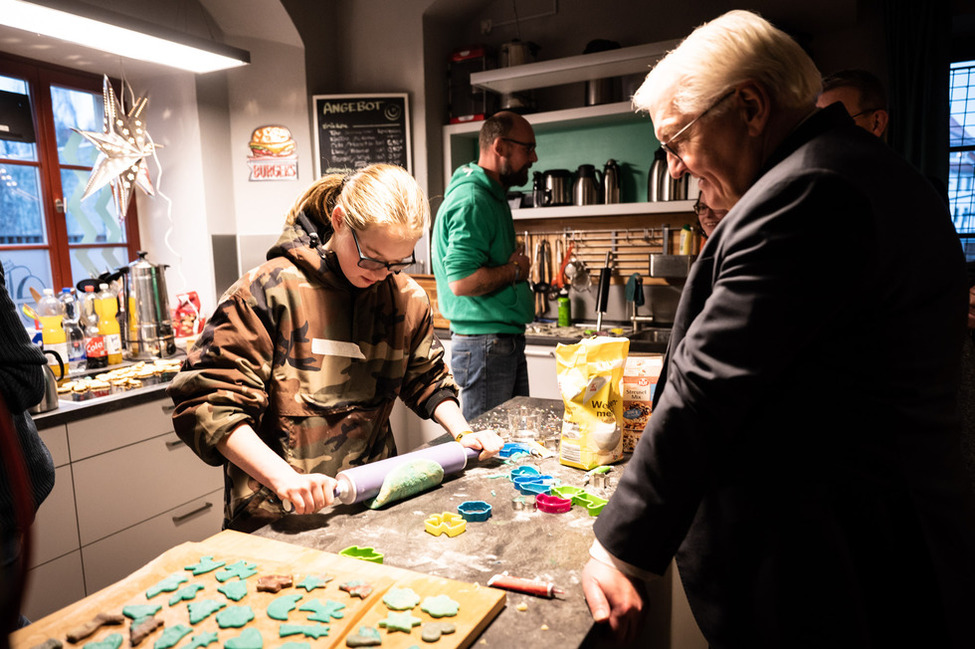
(296, 373)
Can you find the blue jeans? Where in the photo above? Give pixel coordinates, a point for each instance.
(490, 369)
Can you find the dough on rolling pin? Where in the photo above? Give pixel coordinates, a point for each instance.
(408, 479)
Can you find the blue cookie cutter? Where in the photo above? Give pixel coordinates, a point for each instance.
(525, 470)
(511, 448)
(475, 511)
(535, 485)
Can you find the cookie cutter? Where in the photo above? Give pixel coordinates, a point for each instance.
(552, 504)
(522, 471)
(566, 491)
(593, 504)
(474, 511)
(511, 448)
(446, 523)
(519, 503)
(534, 485)
(365, 554)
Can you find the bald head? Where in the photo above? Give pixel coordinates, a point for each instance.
(507, 148)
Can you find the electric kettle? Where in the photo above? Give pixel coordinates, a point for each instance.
(611, 182)
(50, 399)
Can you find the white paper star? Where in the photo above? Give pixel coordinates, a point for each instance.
(123, 147)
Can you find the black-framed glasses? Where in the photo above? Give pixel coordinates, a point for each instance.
(529, 146)
(699, 207)
(374, 264)
(668, 145)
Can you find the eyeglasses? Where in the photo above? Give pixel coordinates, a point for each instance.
(529, 146)
(700, 208)
(374, 264)
(668, 145)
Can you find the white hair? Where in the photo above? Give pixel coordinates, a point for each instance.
(733, 48)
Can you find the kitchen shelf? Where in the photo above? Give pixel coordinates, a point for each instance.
(620, 112)
(597, 65)
(613, 209)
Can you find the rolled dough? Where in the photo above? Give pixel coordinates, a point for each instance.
(406, 480)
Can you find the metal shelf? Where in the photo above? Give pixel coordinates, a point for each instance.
(598, 65)
(613, 209)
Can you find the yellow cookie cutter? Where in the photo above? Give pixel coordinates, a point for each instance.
(446, 523)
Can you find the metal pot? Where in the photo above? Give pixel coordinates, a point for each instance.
(50, 399)
(149, 330)
(558, 187)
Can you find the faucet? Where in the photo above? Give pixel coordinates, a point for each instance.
(634, 295)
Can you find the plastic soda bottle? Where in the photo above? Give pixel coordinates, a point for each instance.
(107, 306)
(51, 312)
(94, 342)
(75, 335)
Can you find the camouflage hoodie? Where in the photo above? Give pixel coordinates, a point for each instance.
(313, 364)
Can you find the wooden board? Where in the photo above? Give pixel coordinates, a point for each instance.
(478, 605)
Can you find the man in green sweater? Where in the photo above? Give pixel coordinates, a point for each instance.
(481, 274)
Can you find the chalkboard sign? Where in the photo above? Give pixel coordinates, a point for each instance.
(352, 131)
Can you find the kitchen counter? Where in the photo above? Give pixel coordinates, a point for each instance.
(648, 341)
(523, 542)
(71, 411)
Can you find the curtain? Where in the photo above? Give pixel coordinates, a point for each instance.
(918, 39)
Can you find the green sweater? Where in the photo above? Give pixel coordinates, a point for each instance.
(474, 228)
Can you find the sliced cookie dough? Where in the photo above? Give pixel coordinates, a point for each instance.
(273, 583)
(249, 639)
(139, 611)
(401, 599)
(111, 641)
(366, 636)
(171, 635)
(167, 585)
(234, 617)
(279, 608)
(357, 588)
(323, 612)
(404, 621)
(240, 569)
(201, 640)
(142, 628)
(203, 609)
(311, 582)
(440, 606)
(234, 590)
(431, 631)
(93, 625)
(185, 593)
(308, 630)
(204, 565)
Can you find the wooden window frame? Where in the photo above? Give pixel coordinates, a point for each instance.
(40, 77)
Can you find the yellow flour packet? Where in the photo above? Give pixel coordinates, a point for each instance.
(589, 375)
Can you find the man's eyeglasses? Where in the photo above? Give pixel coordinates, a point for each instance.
(529, 146)
(374, 264)
(668, 146)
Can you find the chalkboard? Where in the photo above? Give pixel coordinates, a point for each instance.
(352, 131)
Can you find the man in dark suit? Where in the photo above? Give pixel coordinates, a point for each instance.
(802, 461)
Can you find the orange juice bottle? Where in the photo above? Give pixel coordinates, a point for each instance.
(51, 312)
(106, 305)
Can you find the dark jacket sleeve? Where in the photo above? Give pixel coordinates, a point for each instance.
(21, 363)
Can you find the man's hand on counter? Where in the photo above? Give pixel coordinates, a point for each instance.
(487, 441)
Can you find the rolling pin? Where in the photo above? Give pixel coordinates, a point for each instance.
(364, 482)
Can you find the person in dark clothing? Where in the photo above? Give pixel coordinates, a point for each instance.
(801, 464)
(22, 385)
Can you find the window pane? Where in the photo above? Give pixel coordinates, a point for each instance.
(961, 142)
(25, 269)
(21, 211)
(76, 109)
(91, 220)
(16, 150)
(92, 262)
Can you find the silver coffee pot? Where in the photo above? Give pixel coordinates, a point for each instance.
(149, 331)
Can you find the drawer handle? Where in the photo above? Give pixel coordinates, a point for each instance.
(174, 444)
(178, 518)
(168, 409)
(531, 352)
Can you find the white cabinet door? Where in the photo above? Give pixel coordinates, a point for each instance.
(55, 529)
(54, 585)
(541, 372)
(136, 482)
(118, 555)
(103, 433)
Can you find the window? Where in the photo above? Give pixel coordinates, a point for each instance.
(49, 237)
(961, 152)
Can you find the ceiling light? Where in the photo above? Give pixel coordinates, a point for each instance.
(118, 34)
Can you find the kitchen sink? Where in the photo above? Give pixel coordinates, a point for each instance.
(650, 335)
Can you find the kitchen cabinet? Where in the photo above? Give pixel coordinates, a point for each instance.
(542, 375)
(574, 136)
(126, 489)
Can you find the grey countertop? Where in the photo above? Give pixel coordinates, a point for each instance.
(522, 542)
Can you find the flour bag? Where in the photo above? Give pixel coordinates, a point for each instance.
(589, 375)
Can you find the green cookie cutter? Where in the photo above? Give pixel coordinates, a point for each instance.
(365, 554)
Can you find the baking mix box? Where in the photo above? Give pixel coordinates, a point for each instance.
(640, 374)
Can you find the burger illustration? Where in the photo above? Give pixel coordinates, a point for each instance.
(272, 141)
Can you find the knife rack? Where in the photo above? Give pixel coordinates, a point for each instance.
(630, 248)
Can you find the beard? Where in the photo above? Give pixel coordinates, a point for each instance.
(511, 177)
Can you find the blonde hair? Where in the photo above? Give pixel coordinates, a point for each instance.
(733, 48)
(377, 195)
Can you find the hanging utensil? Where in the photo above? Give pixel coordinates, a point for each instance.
(558, 281)
(542, 255)
(602, 297)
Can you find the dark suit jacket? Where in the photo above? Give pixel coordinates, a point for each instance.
(802, 458)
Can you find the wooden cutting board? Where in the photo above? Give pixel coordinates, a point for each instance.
(478, 605)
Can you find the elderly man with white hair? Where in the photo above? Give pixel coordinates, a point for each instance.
(802, 461)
